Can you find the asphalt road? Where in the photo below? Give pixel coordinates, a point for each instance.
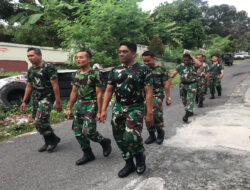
(169, 166)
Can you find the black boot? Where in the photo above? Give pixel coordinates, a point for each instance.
(187, 115)
(127, 169)
(87, 157)
(212, 96)
(106, 146)
(219, 90)
(45, 146)
(160, 137)
(200, 105)
(53, 141)
(151, 138)
(196, 99)
(140, 163)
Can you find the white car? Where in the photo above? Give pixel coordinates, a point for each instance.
(239, 56)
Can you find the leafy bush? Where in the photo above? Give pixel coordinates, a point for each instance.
(156, 46)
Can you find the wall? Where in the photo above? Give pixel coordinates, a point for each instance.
(13, 56)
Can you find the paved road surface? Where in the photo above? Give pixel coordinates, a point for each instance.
(211, 152)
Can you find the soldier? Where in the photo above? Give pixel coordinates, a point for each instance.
(42, 82)
(204, 59)
(188, 78)
(160, 84)
(87, 93)
(216, 70)
(203, 75)
(131, 83)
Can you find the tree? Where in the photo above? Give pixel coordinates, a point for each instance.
(156, 46)
(187, 30)
(36, 21)
(101, 25)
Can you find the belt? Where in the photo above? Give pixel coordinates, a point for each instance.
(188, 82)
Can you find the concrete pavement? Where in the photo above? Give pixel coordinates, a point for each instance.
(228, 126)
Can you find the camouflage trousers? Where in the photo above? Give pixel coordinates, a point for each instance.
(201, 89)
(215, 82)
(84, 123)
(188, 93)
(127, 123)
(158, 115)
(41, 115)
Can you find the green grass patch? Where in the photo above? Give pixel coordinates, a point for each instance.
(9, 74)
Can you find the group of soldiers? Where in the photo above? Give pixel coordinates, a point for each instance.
(195, 77)
(139, 91)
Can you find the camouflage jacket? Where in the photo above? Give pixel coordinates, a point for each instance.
(86, 84)
(129, 83)
(187, 73)
(40, 77)
(159, 75)
(215, 69)
(202, 70)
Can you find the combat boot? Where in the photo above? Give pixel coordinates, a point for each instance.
(140, 163)
(45, 146)
(151, 138)
(87, 157)
(106, 146)
(219, 90)
(212, 96)
(196, 100)
(187, 115)
(200, 105)
(53, 142)
(127, 169)
(160, 136)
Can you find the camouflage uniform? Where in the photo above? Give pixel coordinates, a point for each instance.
(159, 75)
(214, 80)
(128, 111)
(188, 78)
(201, 81)
(42, 95)
(84, 122)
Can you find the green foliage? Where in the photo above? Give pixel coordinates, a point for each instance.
(173, 54)
(156, 46)
(101, 25)
(217, 45)
(183, 16)
(37, 22)
(193, 34)
(9, 74)
(18, 129)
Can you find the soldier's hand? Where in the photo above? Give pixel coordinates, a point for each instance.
(168, 102)
(149, 119)
(103, 116)
(58, 107)
(69, 113)
(98, 116)
(22, 107)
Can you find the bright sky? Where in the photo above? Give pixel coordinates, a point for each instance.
(239, 4)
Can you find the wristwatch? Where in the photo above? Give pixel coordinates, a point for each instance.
(24, 101)
(168, 98)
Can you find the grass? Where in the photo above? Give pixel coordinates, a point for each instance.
(9, 74)
(11, 130)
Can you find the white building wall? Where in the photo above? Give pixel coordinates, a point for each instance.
(11, 51)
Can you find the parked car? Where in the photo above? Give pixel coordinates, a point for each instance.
(227, 59)
(246, 55)
(239, 56)
(12, 88)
